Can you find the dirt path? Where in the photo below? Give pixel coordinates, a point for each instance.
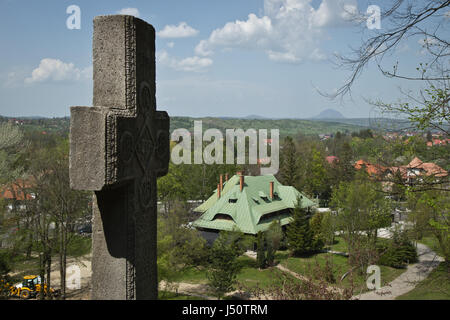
(428, 261)
(85, 268)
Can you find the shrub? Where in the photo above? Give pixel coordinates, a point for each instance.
(398, 253)
(323, 272)
(4, 264)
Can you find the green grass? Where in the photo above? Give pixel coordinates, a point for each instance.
(338, 245)
(432, 243)
(305, 265)
(251, 276)
(192, 275)
(341, 245)
(435, 287)
(21, 266)
(79, 246)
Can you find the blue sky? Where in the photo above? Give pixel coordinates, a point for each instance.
(214, 58)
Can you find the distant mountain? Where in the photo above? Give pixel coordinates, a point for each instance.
(329, 114)
(287, 127)
(255, 117)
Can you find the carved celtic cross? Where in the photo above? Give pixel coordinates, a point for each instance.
(118, 148)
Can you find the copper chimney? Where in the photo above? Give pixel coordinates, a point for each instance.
(218, 191)
(241, 182)
(271, 189)
(221, 183)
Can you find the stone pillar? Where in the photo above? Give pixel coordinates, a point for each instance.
(118, 148)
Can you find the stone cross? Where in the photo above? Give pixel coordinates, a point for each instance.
(118, 148)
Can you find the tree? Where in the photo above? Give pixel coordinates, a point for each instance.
(431, 215)
(316, 228)
(427, 108)
(11, 143)
(317, 179)
(68, 205)
(274, 237)
(328, 228)
(289, 165)
(4, 269)
(298, 233)
(402, 20)
(56, 208)
(224, 266)
(260, 251)
(345, 164)
(179, 247)
(361, 211)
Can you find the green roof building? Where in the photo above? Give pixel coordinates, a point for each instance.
(249, 204)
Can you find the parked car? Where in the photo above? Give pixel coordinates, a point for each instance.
(85, 230)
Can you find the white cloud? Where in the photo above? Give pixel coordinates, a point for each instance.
(183, 30)
(57, 70)
(129, 11)
(288, 30)
(190, 64)
(171, 44)
(332, 13)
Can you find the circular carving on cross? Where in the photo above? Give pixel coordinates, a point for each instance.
(126, 147)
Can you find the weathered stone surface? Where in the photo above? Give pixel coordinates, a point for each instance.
(118, 148)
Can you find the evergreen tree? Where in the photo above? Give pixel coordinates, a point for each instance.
(328, 228)
(270, 256)
(317, 178)
(316, 229)
(289, 165)
(299, 234)
(345, 164)
(224, 266)
(274, 238)
(261, 252)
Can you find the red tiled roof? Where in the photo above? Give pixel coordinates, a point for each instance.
(331, 159)
(372, 169)
(415, 163)
(15, 191)
(428, 168)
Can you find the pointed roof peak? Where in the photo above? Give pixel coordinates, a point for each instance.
(416, 162)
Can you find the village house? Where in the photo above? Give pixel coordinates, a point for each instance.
(16, 193)
(249, 204)
(416, 170)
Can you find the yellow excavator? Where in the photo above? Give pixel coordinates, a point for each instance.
(29, 288)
